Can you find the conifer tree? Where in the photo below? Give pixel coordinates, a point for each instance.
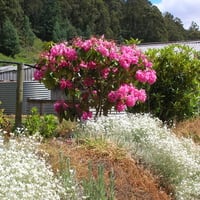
(27, 34)
(9, 39)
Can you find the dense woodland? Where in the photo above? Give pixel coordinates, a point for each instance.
(21, 21)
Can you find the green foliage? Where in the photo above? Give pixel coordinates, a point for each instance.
(56, 20)
(68, 179)
(174, 28)
(133, 41)
(175, 95)
(193, 32)
(48, 127)
(43, 125)
(27, 54)
(96, 188)
(9, 41)
(27, 34)
(33, 122)
(4, 123)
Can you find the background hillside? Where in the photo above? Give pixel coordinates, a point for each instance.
(21, 21)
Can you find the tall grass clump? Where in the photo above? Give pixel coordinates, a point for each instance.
(73, 189)
(175, 159)
(96, 188)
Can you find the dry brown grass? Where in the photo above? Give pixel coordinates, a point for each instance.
(189, 128)
(132, 181)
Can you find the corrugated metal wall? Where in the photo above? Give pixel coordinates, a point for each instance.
(9, 73)
(32, 89)
(8, 96)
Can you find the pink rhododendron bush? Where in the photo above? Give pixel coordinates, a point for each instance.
(94, 73)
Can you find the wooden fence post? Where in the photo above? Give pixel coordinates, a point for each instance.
(19, 95)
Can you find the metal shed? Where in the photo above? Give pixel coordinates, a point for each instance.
(32, 90)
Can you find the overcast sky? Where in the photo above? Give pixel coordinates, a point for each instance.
(186, 10)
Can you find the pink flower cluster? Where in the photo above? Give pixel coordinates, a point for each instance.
(97, 73)
(146, 76)
(126, 96)
(61, 106)
(65, 84)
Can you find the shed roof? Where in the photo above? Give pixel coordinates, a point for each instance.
(9, 68)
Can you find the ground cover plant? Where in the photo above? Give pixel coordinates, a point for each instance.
(148, 148)
(24, 175)
(175, 159)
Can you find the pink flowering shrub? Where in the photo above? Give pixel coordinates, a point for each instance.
(95, 73)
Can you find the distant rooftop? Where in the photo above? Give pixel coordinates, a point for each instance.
(193, 44)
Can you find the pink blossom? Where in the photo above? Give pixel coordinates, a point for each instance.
(112, 97)
(114, 69)
(124, 63)
(141, 76)
(103, 50)
(65, 84)
(130, 100)
(64, 63)
(63, 50)
(70, 53)
(114, 55)
(147, 63)
(94, 93)
(83, 64)
(92, 65)
(86, 45)
(38, 75)
(142, 95)
(105, 72)
(123, 91)
(151, 77)
(86, 115)
(120, 106)
(60, 106)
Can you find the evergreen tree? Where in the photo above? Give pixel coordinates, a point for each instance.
(34, 9)
(115, 10)
(9, 40)
(154, 27)
(193, 33)
(28, 36)
(11, 9)
(49, 18)
(175, 29)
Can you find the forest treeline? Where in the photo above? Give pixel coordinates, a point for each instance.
(21, 21)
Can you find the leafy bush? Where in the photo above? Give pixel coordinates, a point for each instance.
(43, 125)
(48, 126)
(94, 73)
(175, 95)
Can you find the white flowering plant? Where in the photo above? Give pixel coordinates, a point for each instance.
(177, 160)
(25, 175)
